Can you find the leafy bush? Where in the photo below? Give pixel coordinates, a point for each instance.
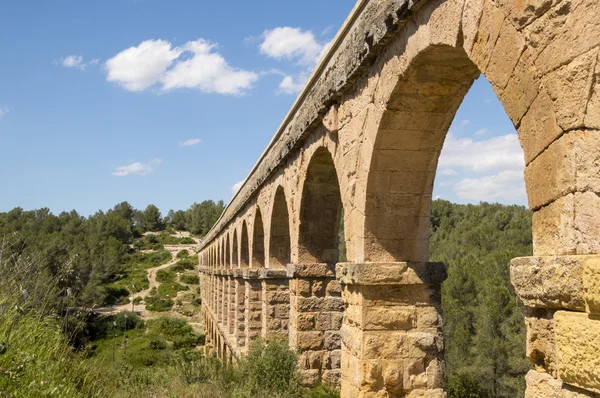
(270, 367)
(170, 327)
(114, 294)
(465, 385)
(190, 279)
(189, 341)
(158, 304)
(164, 275)
(157, 344)
(183, 254)
(170, 289)
(182, 265)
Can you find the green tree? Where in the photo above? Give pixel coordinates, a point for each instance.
(179, 220)
(152, 219)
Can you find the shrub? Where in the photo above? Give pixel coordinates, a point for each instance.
(187, 241)
(183, 254)
(182, 265)
(270, 367)
(190, 279)
(157, 344)
(114, 294)
(170, 289)
(158, 304)
(133, 321)
(188, 341)
(137, 300)
(164, 275)
(464, 385)
(197, 302)
(170, 327)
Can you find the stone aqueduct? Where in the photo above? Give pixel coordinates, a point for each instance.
(359, 149)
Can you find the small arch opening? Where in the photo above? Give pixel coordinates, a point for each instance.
(258, 241)
(321, 210)
(279, 242)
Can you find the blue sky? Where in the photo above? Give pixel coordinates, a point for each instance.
(169, 103)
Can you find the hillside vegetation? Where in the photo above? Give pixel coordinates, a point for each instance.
(484, 326)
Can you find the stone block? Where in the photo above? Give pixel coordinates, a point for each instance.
(549, 282)
(402, 273)
(569, 87)
(570, 164)
(310, 340)
(569, 29)
(592, 117)
(591, 284)
(487, 34)
(540, 338)
(577, 349)
(318, 288)
(506, 54)
(389, 318)
(539, 127)
(569, 225)
(333, 340)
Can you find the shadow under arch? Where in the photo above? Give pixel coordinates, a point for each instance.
(245, 247)
(235, 255)
(279, 242)
(320, 211)
(228, 256)
(258, 241)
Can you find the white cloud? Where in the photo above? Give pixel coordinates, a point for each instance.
(236, 187)
(73, 61)
(290, 85)
(498, 161)
(448, 172)
(464, 123)
(190, 142)
(208, 71)
(194, 65)
(291, 44)
(138, 68)
(136, 168)
(77, 62)
(491, 155)
(482, 132)
(506, 185)
(4, 110)
(487, 100)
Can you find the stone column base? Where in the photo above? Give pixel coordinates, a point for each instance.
(275, 303)
(316, 312)
(253, 305)
(392, 343)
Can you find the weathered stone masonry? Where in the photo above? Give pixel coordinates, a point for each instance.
(361, 144)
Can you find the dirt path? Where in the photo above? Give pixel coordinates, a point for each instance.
(140, 308)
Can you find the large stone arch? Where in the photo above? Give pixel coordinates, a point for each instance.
(320, 211)
(279, 242)
(258, 240)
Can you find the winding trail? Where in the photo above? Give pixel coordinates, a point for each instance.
(140, 308)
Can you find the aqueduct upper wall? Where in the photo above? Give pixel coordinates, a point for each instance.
(358, 151)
